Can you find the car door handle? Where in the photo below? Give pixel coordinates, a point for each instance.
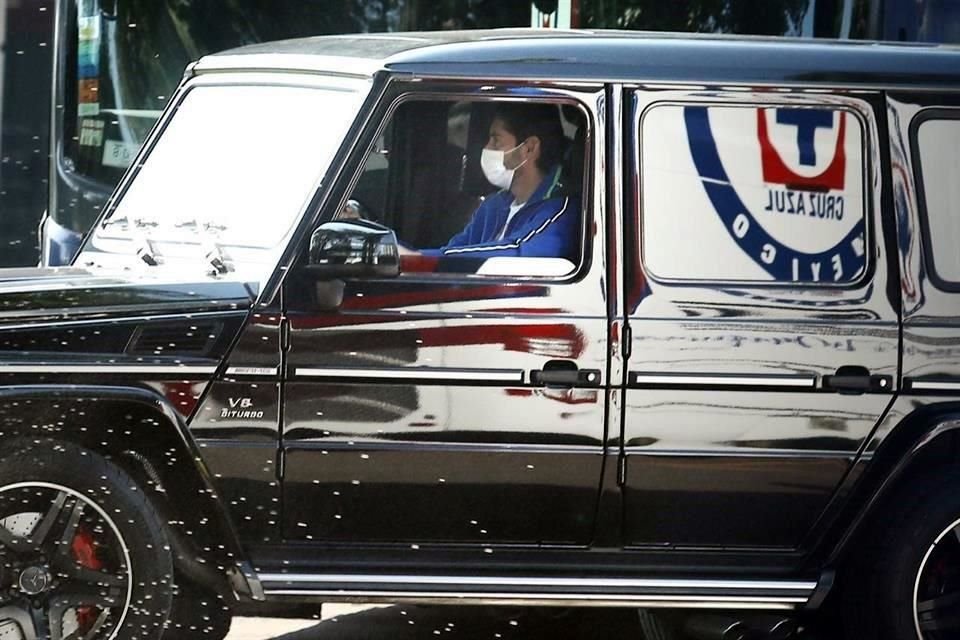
(563, 373)
(855, 380)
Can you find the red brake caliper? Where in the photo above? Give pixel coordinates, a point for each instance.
(85, 554)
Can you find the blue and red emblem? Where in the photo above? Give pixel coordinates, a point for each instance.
(791, 190)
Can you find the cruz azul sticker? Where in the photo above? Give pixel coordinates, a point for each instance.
(758, 193)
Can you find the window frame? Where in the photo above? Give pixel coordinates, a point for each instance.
(929, 259)
(749, 99)
(403, 92)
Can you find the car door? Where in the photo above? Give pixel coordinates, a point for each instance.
(441, 406)
(764, 344)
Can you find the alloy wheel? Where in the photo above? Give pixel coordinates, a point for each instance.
(65, 569)
(936, 594)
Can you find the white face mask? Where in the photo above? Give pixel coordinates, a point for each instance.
(491, 161)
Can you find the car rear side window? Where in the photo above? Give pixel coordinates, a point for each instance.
(749, 193)
(936, 142)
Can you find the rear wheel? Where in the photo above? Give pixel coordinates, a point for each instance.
(908, 586)
(936, 596)
(83, 555)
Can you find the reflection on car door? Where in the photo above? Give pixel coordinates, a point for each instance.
(764, 344)
(417, 410)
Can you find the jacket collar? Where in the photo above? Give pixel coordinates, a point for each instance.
(545, 190)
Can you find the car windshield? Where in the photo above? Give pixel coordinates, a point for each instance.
(225, 182)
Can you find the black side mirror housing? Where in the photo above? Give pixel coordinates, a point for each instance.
(348, 249)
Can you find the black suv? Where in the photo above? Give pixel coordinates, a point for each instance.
(718, 368)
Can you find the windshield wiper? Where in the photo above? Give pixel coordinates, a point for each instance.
(209, 247)
(214, 256)
(147, 254)
(109, 222)
(139, 223)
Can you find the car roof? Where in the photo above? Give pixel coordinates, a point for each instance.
(606, 56)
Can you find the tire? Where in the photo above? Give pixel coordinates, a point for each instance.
(904, 585)
(197, 613)
(83, 552)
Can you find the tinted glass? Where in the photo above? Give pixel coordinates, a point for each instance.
(743, 193)
(424, 179)
(938, 142)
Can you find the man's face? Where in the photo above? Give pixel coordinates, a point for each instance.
(502, 140)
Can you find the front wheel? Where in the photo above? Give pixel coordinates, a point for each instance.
(908, 586)
(83, 554)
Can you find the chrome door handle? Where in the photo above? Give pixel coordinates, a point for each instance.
(856, 380)
(563, 373)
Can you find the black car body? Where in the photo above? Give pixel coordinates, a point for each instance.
(701, 412)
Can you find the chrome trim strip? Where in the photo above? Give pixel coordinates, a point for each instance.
(252, 371)
(187, 316)
(792, 454)
(721, 380)
(515, 376)
(589, 583)
(934, 385)
(107, 368)
(524, 448)
(545, 599)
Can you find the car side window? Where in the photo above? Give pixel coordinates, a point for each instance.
(750, 193)
(488, 188)
(936, 142)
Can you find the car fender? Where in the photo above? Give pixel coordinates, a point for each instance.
(924, 433)
(140, 431)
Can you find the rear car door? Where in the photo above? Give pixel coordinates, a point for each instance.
(764, 333)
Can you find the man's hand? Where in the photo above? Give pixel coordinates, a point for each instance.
(352, 210)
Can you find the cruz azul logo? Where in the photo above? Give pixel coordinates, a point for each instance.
(787, 191)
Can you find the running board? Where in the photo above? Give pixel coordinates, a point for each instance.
(541, 591)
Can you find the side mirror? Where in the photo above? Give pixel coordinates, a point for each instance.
(353, 249)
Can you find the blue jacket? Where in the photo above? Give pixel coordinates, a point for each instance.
(548, 226)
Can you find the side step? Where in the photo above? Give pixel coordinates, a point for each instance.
(540, 591)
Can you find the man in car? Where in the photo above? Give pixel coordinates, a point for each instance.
(528, 216)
